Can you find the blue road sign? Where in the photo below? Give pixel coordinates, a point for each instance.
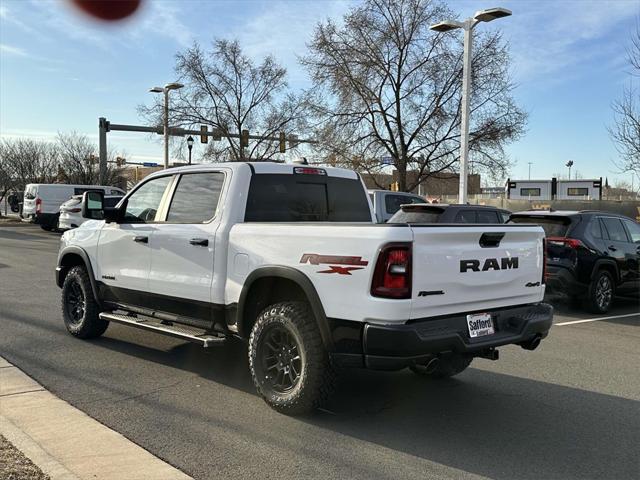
(149, 164)
(387, 160)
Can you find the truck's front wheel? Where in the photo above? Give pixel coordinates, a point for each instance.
(289, 364)
(79, 309)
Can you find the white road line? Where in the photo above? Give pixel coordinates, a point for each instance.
(596, 319)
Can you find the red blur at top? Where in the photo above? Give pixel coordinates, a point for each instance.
(108, 10)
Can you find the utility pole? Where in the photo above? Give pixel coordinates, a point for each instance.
(530, 170)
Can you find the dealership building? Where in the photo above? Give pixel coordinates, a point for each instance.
(554, 189)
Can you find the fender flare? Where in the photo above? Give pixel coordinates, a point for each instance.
(605, 261)
(75, 250)
(298, 278)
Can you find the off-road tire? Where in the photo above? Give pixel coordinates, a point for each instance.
(448, 366)
(597, 300)
(86, 324)
(316, 379)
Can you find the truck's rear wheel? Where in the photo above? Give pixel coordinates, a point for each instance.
(444, 366)
(289, 364)
(79, 309)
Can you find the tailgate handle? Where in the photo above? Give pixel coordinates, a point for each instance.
(491, 240)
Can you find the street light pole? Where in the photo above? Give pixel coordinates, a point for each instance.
(530, 170)
(165, 90)
(468, 25)
(569, 164)
(190, 146)
(464, 122)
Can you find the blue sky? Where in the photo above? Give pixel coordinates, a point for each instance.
(60, 71)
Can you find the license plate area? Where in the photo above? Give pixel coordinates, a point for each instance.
(480, 325)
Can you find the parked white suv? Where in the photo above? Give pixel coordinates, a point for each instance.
(288, 258)
(71, 211)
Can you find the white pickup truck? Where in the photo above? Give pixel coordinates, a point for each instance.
(288, 257)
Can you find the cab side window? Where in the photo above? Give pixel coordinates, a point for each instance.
(614, 229)
(634, 230)
(594, 228)
(196, 198)
(144, 203)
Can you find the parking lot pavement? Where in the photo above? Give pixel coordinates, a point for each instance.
(567, 410)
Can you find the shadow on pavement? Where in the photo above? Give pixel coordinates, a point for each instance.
(491, 424)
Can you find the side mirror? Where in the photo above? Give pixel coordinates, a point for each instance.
(93, 205)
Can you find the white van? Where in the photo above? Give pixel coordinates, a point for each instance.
(42, 200)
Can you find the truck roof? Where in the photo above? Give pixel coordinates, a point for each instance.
(261, 168)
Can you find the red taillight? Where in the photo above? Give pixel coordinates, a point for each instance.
(74, 210)
(38, 205)
(392, 276)
(569, 242)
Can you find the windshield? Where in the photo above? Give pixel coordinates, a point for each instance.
(424, 215)
(552, 226)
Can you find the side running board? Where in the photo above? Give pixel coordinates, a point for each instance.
(185, 332)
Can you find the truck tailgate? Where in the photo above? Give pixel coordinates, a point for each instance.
(472, 268)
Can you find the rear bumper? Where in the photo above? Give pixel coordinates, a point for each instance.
(563, 280)
(386, 347)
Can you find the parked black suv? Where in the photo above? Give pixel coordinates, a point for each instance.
(590, 254)
(444, 213)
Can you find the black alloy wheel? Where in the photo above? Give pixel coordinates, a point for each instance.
(280, 362)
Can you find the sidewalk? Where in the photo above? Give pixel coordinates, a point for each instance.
(64, 442)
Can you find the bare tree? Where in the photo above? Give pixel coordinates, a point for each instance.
(387, 86)
(625, 130)
(228, 91)
(24, 161)
(79, 161)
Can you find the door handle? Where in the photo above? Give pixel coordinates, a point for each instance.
(141, 239)
(199, 241)
(612, 248)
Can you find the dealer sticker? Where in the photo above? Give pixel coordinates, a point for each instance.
(480, 324)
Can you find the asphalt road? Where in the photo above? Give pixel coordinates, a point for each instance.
(570, 409)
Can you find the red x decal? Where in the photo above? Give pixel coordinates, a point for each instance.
(340, 270)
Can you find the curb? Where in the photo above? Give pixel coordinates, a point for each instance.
(48, 430)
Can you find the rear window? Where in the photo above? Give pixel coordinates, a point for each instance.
(392, 203)
(30, 193)
(424, 215)
(552, 226)
(465, 216)
(73, 201)
(306, 198)
(488, 216)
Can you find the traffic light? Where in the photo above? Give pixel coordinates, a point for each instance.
(244, 140)
(283, 143)
(204, 138)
